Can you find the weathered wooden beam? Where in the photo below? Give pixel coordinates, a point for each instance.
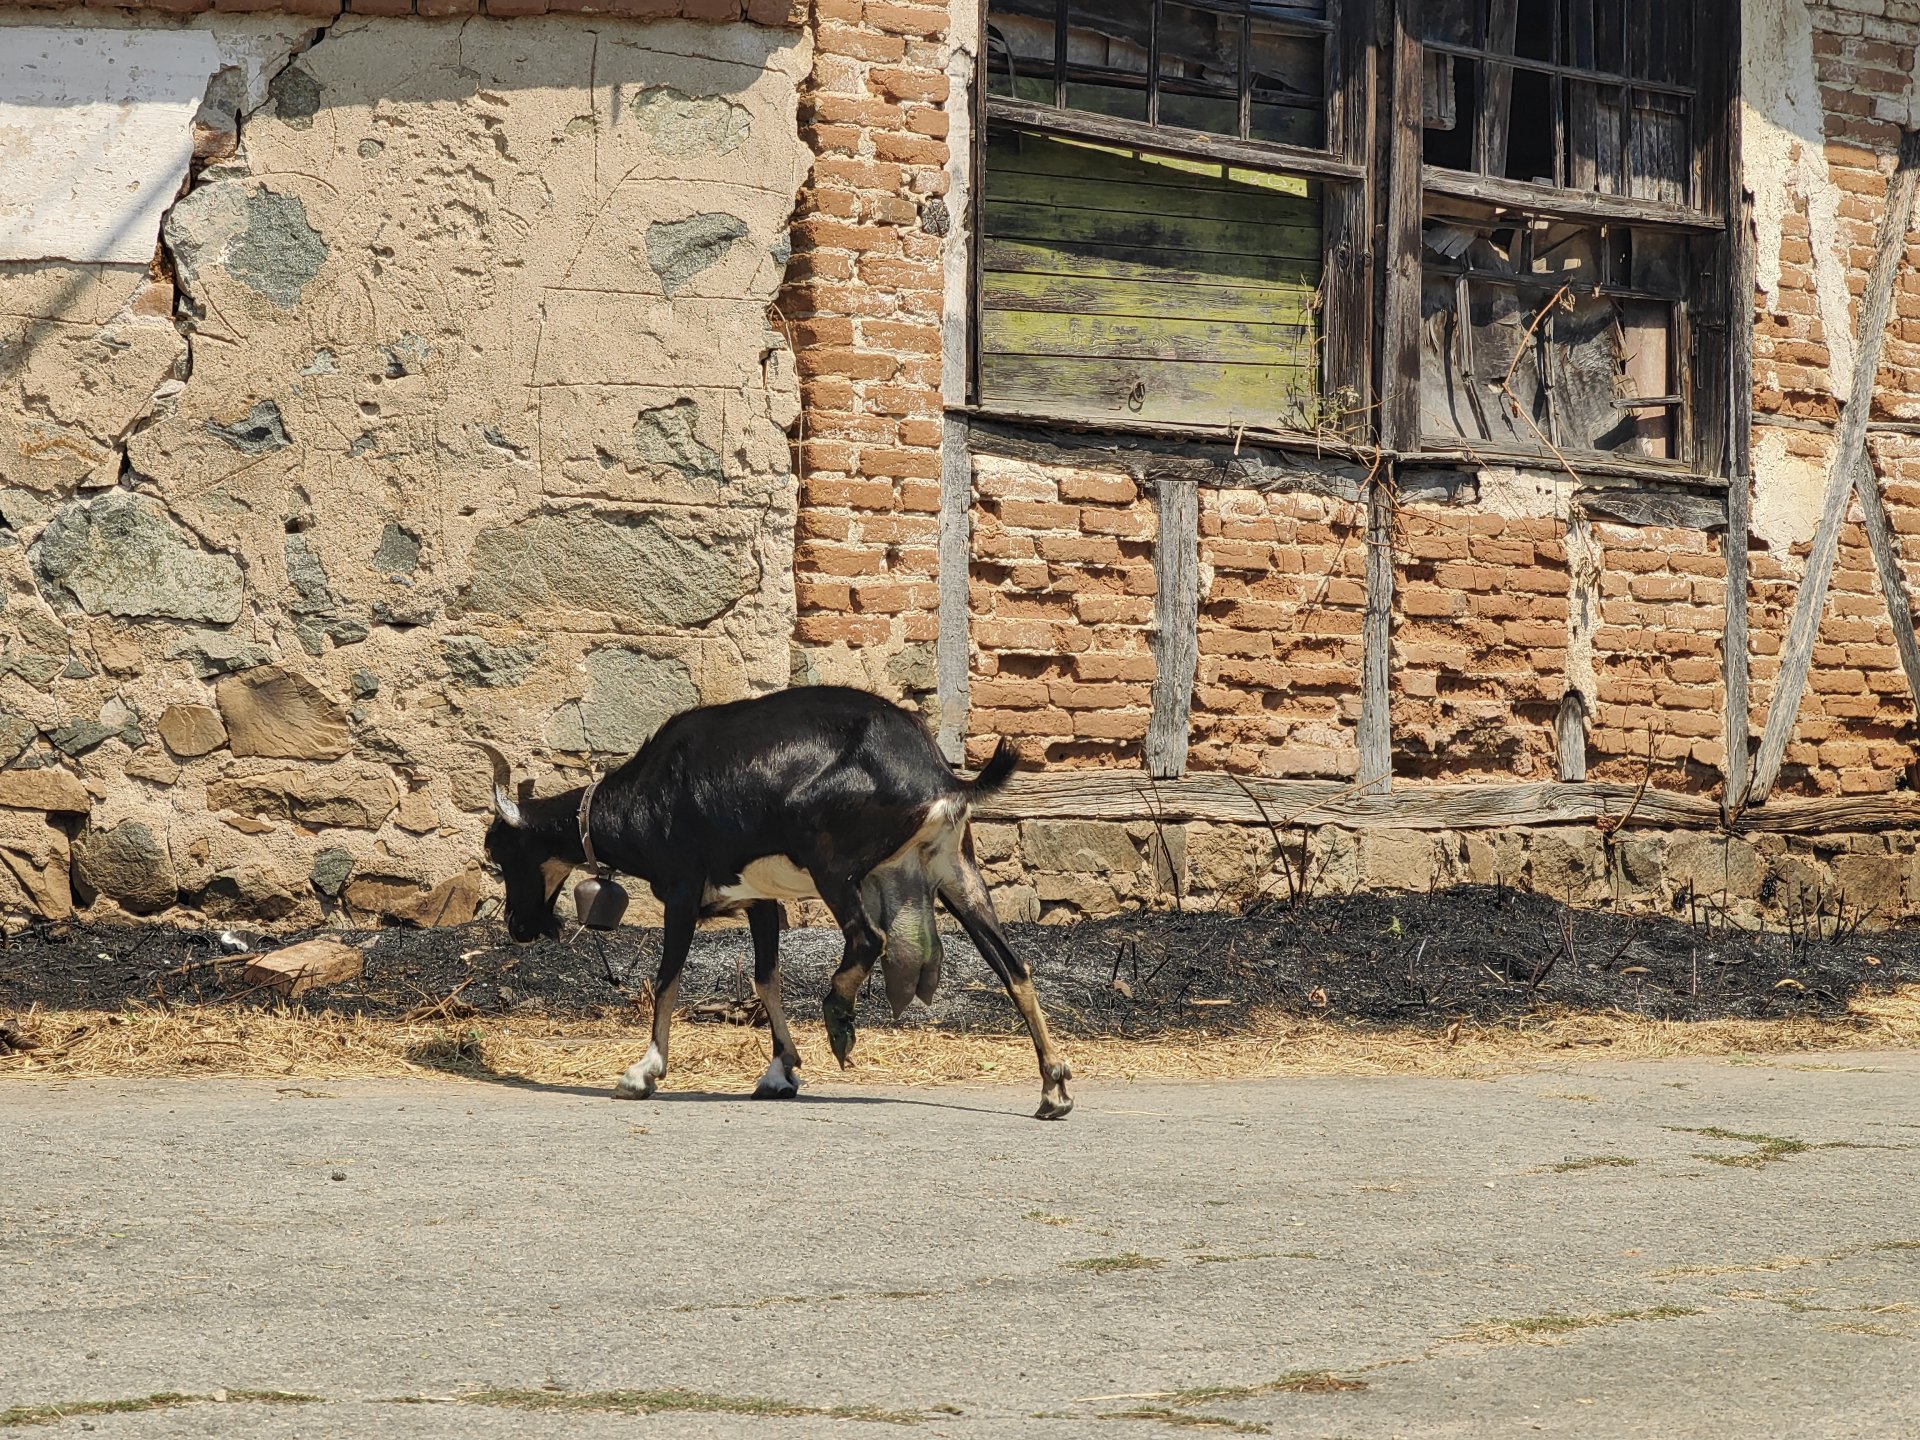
(1376, 646)
(1399, 360)
(1119, 795)
(1893, 584)
(1849, 454)
(1736, 766)
(1176, 623)
(954, 639)
(1678, 509)
(1149, 460)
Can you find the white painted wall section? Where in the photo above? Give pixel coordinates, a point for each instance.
(96, 130)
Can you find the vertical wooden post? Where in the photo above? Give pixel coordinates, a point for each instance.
(1849, 457)
(1886, 560)
(1736, 768)
(1376, 645)
(1176, 626)
(952, 647)
(1399, 385)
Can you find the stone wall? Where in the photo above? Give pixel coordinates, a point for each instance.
(450, 405)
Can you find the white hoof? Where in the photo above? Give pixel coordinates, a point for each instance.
(641, 1078)
(779, 1083)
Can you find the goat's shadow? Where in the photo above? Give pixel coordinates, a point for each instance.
(486, 1076)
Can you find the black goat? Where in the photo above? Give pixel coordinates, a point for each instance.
(812, 792)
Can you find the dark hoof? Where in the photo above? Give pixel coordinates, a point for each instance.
(837, 1011)
(764, 1091)
(1052, 1109)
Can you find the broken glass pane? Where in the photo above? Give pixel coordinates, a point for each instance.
(1200, 69)
(1107, 59)
(1288, 73)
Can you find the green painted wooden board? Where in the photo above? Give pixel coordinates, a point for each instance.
(1158, 294)
(1173, 391)
(1095, 262)
(1177, 234)
(1028, 153)
(1115, 284)
(1027, 332)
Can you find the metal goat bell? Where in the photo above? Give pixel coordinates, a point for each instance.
(599, 901)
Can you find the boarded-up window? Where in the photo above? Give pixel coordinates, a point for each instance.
(1156, 287)
(1152, 213)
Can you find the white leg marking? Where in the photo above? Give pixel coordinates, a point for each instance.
(778, 1083)
(642, 1076)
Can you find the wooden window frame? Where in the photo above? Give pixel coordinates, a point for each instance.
(1343, 168)
(1712, 329)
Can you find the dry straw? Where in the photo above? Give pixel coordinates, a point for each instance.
(142, 1043)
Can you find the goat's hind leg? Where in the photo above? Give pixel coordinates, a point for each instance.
(782, 1080)
(865, 944)
(965, 894)
(644, 1075)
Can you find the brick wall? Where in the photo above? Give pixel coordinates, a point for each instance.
(1479, 643)
(863, 303)
(1657, 673)
(1061, 596)
(1278, 685)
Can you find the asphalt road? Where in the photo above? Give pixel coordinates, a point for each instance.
(1557, 1253)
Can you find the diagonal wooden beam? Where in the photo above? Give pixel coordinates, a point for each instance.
(1886, 560)
(1849, 458)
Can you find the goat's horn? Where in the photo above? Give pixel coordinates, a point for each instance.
(503, 801)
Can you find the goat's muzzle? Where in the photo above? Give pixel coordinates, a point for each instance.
(503, 802)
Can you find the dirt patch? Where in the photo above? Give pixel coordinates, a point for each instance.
(1457, 982)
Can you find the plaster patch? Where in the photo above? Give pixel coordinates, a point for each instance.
(1788, 491)
(1783, 151)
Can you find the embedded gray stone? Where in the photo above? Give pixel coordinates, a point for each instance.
(473, 660)
(258, 236)
(678, 250)
(246, 892)
(212, 653)
(366, 684)
(681, 124)
(629, 695)
(77, 737)
(122, 555)
(331, 867)
(398, 552)
(312, 594)
(640, 569)
(22, 509)
(261, 431)
(295, 95)
(665, 436)
(128, 864)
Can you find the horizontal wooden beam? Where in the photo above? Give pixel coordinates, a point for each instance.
(1227, 799)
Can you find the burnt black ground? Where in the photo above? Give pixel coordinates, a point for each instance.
(1469, 953)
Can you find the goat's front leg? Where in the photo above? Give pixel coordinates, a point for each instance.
(643, 1076)
(782, 1080)
(865, 942)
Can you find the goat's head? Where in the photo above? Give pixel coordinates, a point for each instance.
(526, 855)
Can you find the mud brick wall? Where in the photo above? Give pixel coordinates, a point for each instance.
(1061, 593)
(1479, 642)
(1657, 680)
(1283, 591)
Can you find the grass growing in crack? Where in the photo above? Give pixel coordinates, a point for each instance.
(1113, 1264)
(20, 1415)
(1550, 1328)
(1214, 1258)
(1182, 1420)
(1592, 1162)
(1294, 1382)
(1046, 1217)
(1767, 1148)
(685, 1402)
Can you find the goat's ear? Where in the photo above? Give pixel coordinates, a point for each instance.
(526, 790)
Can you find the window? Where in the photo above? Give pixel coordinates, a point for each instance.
(1181, 216)
(1162, 186)
(1567, 226)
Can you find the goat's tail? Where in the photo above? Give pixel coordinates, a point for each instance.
(995, 772)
